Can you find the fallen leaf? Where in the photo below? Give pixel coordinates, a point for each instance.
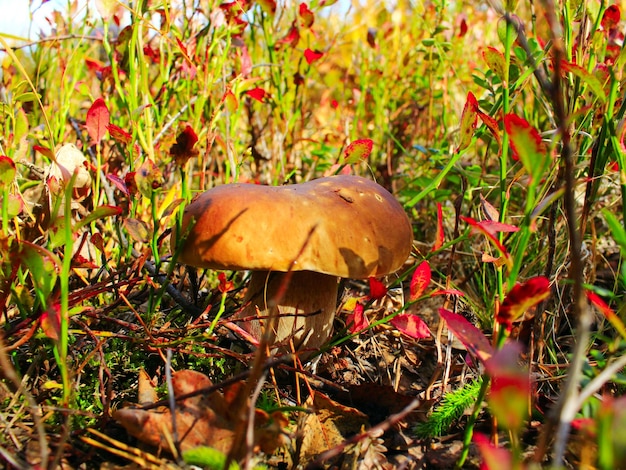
(328, 425)
(203, 419)
(357, 321)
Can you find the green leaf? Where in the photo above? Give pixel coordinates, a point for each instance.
(358, 150)
(43, 266)
(586, 77)
(7, 171)
(469, 119)
(617, 229)
(495, 61)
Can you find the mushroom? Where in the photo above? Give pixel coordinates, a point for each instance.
(297, 240)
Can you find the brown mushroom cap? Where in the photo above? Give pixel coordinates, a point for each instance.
(345, 226)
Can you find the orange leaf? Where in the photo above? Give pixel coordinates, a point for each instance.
(307, 17)
(119, 135)
(420, 280)
(439, 235)
(607, 311)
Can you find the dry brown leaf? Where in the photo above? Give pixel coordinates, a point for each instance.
(201, 420)
(328, 425)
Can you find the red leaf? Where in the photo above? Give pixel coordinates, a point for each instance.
(476, 226)
(44, 151)
(97, 120)
(358, 150)
(469, 119)
(525, 139)
(152, 54)
(292, 37)
(377, 289)
(439, 235)
(411, 325)
(119, 183)
(611, 17)
(357, 321)
(225, 285)
(94, 65)
(119, 135)
(491, 124)
(607, 311)
(471, 337)
(307, 17)
(311, 56)
(183, 149)
(188, 67)
(521, 298)
(510, 386)
(493, 227)
(526, 145)
(494, 458)
(245, 60)
(258, 94)
(462, 28)
(420, 280)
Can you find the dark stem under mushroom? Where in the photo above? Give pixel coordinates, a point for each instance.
(298, 306)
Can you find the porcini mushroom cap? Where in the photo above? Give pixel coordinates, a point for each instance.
(345, 226)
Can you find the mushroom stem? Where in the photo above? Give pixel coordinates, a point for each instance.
(299, 305)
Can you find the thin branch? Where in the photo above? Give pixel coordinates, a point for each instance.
(65, 37)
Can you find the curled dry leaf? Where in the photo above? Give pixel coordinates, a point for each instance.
(205, 419)
(70, 160)
(328, 425)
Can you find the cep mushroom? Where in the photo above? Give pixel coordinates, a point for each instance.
(313, 232)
